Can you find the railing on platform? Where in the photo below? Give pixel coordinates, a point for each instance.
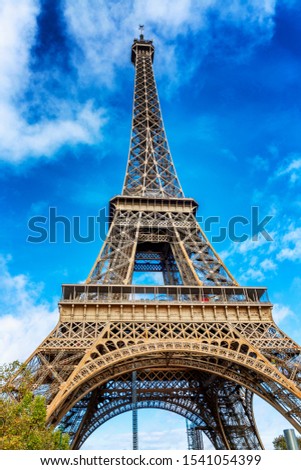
(96, 293)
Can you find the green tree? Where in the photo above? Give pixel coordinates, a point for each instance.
(279, 443)
(23, 414)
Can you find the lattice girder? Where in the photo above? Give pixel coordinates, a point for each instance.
(179, 391)
(284, 401)
(150, 169)
(195, 259)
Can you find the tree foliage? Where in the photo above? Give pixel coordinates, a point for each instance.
(23, 414)
(279, 443)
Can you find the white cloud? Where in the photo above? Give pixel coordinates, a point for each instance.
(291, 245)
(71, 124)
(294, 165)
(257, 271)
(280, 312)
(252, 274)
(270, 422)
(292, 168)
(17, 32)
(251, 245)
(20, 140)
(103, 32)
(268, 265)
(25, 319)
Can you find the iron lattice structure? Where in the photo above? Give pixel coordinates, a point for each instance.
(199, 345)
(194, 436)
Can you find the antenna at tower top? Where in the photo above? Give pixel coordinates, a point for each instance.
(141, 29)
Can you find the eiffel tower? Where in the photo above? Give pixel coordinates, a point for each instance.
(199, 345)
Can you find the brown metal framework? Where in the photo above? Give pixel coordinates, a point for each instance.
(200, 345)
(194, 436)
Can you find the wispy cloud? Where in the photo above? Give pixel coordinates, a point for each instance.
(292, 168)
(101, 32)
(59, 125)
(269, 422)
(280, 312)
(291, 245)
(17, 30)
(21, 140)
(25, 319)
(268, 265)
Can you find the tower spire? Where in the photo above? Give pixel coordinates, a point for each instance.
(141, 29)
(150, 169)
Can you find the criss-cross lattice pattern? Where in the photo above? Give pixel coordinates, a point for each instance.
(215, 405)
(190, 253)
(150, 170)
(198, 344)
(80, 355)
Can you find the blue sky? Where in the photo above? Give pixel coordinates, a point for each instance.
(228, 75)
